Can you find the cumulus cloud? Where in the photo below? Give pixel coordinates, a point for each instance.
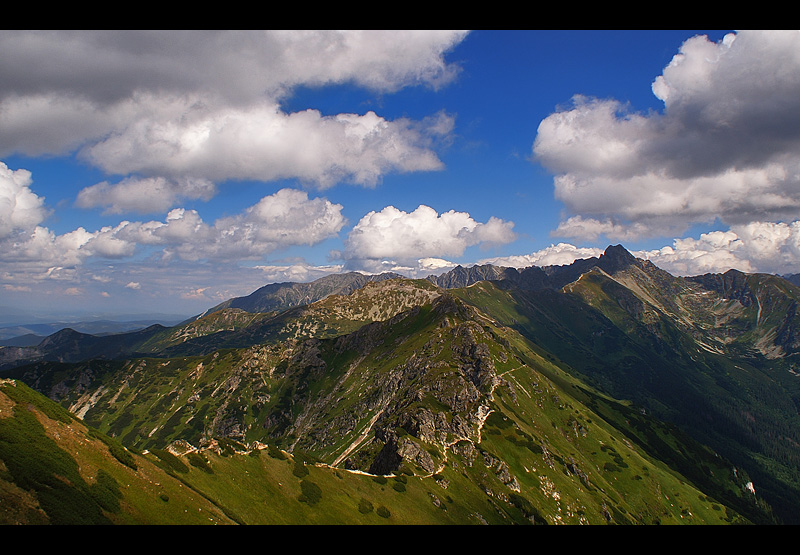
(143, 195)
(766, 247)
(207, 105)
(286, 218)
(264, 143)
(20, 207)
(753, 247)
(430, 265)
(196, 294)
(105, 66)
(299, 271)
(16, 288)
(554, 255)
(404, 238)
(726, 145)
(591, 229)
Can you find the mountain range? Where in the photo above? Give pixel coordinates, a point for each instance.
(604, 391)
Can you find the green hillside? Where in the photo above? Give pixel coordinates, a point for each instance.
(665, 352)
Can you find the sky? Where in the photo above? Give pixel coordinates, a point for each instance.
(163, 172)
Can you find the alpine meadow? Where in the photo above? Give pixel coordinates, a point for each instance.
(506, 277)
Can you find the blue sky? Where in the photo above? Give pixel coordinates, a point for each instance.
(164, 172)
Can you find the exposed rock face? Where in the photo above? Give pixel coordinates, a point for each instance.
(616, 258)
(432, 396)
(464, 277)
(474, 359)
(502, 471)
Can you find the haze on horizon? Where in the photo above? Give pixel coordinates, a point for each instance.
(167, 171)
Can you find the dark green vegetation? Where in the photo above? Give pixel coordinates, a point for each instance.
(607, 391)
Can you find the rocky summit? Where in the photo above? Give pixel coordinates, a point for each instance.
(605, 391)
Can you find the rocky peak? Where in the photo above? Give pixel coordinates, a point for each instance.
(616, 258)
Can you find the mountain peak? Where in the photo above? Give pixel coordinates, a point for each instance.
(615, 258)
(618, 250)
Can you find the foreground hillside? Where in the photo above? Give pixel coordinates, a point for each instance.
(56, 470)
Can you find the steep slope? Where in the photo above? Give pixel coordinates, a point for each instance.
(754, 312)
(56, 470)
(700, 356)
(533, 278)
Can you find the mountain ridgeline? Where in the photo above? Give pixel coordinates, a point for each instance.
(604, 391)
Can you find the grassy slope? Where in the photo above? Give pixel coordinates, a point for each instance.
(649, 361)
(53, 469)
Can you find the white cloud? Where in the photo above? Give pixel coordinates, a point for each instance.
(286, 218)
(105, 66)
(297, 272)
(205, 105)
(394, 238)
(753, 247)
(590, 229)
(431, 265)
(766, 247)
(554, 255)
(20, 207)
(714, 252)
(726, 145)
(16, 288)
(144, 195)
(263, 143)
(196, 294)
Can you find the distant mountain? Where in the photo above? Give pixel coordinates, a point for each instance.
(533, 278)
(9, 334)
(26, 340)
(794, 279)
(68, 345)
(280, 296)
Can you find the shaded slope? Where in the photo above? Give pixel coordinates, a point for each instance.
(676, 348)
(69, 345)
